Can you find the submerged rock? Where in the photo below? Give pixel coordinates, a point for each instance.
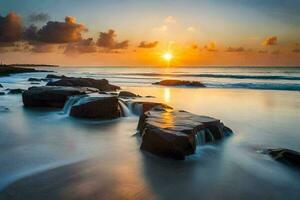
(16, 91)
(50, 76)
(101, 84)
(175, 134)
(180, 83)
(53, 97)
(285, 156)
(127, 94)
(4, 109)
(1, 86)
(2, 93)
(34, 80)
(103, 107)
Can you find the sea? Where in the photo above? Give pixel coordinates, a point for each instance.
(46, 154)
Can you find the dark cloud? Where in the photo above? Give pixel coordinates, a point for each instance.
(56, 32)
(38, 17)
(270, 41)
(212, 46)
(10, 29)
(145, 44)
(194, 46)
(80, 47)
(42, 48)
(235, 49)
(107, 40)
(296, 50)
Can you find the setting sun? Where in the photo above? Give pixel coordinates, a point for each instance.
(168, 56)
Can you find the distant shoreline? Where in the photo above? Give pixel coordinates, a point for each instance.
(28, 65)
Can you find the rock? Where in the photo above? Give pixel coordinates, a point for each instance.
(175, 134)
(1, 86)
(34, 80)
(7, 70)
(50, 76)
(16, 91)
(127, 94)
(103, 107)
(285, 156)
(180, 83)
(53, 97)
(149, 96)
(139, 107)
(2, 93)
(4, 109)
(101, 84)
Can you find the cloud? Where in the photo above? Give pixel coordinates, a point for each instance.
(263, 51)
(145, 44)
(191, 29)
(275, 52)
(194, 46)
(42, 48)
(107, 40)
(212, 46)
(81, 47)
(270, 41)
(57, 32)
(296, 50)
(235, 49)
(162, 28)
(38, 17)
(170, 20)
(10, 29)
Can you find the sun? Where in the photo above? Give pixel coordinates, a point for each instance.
(168, 56)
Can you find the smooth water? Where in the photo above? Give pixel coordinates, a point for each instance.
(102, 160)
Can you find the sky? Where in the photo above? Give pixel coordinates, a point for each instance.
(139, 33)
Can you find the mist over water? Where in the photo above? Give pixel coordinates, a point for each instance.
(89, 157)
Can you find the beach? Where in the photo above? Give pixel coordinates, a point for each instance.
(47, 154)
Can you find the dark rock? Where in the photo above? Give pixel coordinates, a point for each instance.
(1, 86)
(180, 83)
(113, 93)
(54, 97)
(7, 70)
(101, 84)
(4, 109)
(2, 93)
(34, 80)
(103, 107)
(127, 94)
(149, 96)
(50, 76)
(139, 107)
(16, 91)
(285, 156)
(175, 134)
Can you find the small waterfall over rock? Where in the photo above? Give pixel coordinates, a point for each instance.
(70, 102)
(200, 138)
(203, 137)
(126, 110)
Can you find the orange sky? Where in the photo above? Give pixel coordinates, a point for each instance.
(139, 33)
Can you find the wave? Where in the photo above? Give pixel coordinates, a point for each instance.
(262, 86)
(232, 76)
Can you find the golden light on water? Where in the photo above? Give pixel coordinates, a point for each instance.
(167, 95)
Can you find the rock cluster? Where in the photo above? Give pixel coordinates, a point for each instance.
(175, 134)
(101, 84)
(53, 97)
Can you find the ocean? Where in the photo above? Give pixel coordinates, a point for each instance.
(45, 154)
